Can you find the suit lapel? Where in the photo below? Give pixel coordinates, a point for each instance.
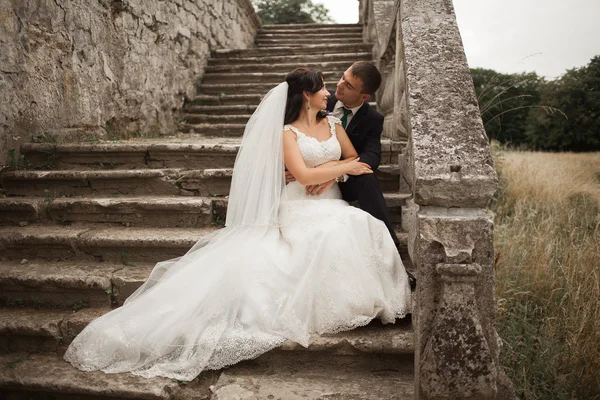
(356, 118)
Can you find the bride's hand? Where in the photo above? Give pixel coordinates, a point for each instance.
(355, 167)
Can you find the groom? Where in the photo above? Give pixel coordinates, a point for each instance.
(364, 125)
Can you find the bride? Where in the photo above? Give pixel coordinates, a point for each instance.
(287, 264)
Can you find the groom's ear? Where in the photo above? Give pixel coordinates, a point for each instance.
(365, 97)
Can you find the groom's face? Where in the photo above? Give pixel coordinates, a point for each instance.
(349, 90)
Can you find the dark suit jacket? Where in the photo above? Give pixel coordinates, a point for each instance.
(364, 132)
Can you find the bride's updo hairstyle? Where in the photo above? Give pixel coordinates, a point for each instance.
(301, 80)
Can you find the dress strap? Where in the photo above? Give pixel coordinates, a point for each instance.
(332, 121)
(293, 129)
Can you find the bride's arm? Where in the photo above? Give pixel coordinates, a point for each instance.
(314, 176)
(348, 151)
(335, 162)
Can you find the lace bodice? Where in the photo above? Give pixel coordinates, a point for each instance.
(315, 152)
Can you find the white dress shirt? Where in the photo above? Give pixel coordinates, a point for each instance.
(338, 111)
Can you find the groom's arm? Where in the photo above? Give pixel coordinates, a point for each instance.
(371, 151)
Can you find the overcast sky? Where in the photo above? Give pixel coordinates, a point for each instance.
(545, 36)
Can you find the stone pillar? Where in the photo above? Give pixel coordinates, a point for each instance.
(456, 331)
(450, 170)
(456, 346)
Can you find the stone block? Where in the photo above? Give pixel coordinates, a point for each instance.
(453, 236)
(19, 210)
(450, 156)
(457, 361)
(40, 242)
(46, 283)
(73, 324)
(209, 182)
(50, 374)
(128, 280)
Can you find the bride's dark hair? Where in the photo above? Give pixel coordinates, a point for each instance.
(301, 80)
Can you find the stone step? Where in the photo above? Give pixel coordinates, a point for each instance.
(48, 376)
(128, 182)
(152, 211)
(155, 211)
(248, 99)
(240, 109)
(146, 211)
(116, 183)
(40, 330)
(286, 50)
(193, 118)
(301, 41)
(260, 77)
(291, 44)
(326, 29)
(325, 35)
(69, 285)
(318, 376)
(115, 243)
(118, 244)
(292, 60)
(50, 330)
(272, 27)
(214, 130)
(132, 182)
(282, 68)
(84, 183)
(240, 100)
(169, 152)
(260, 88)
(275, 375)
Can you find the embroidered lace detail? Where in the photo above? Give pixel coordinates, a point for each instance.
(315, 152)
(335, 120)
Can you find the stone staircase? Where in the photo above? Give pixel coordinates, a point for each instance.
(82, 226)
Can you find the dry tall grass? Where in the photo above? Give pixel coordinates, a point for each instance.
(548, 272)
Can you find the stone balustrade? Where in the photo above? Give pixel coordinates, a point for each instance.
(92, 66)
(428, 99)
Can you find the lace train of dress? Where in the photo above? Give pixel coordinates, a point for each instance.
(329, 267)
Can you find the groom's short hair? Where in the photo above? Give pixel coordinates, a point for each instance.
(369, 75)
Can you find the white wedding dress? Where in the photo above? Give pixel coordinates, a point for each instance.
(327, 267)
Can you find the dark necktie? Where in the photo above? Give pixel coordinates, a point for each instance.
(344, 119)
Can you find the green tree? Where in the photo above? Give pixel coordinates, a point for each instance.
(505, 101)
(291, 12)
(577, 95)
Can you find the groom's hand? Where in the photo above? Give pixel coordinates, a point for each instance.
(289, 177)
(316, 190)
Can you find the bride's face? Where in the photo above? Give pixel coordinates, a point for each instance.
(318, 100)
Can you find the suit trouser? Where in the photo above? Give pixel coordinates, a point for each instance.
(367, 190)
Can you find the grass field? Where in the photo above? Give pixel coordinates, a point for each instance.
(547, 241)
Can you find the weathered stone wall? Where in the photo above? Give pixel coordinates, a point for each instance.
(107, 66)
